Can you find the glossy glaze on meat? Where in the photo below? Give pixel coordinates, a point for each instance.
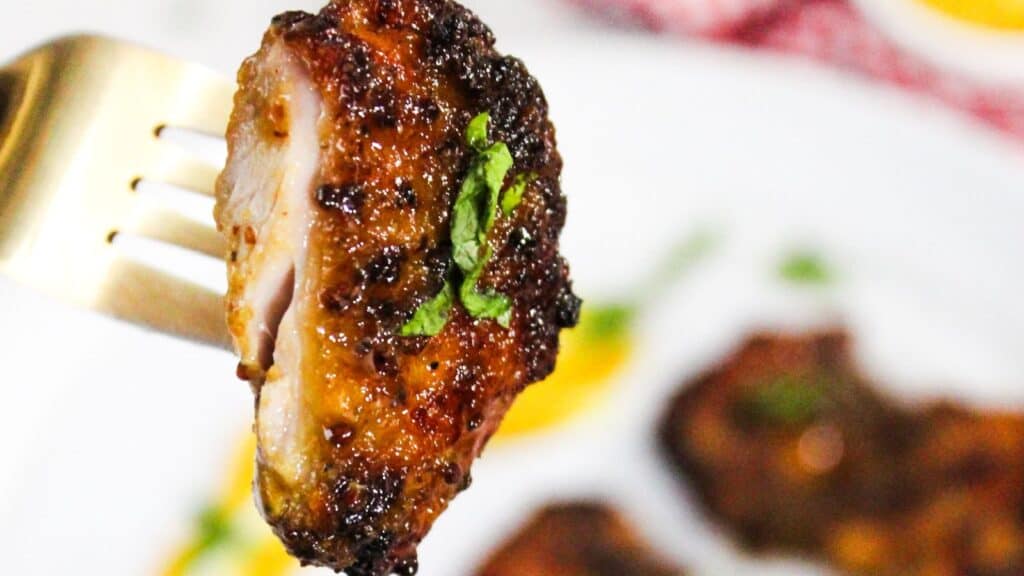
(347, 150)
(576, 539)
(791, 449)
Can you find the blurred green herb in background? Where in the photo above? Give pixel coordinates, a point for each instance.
(613, 319)
(806, 268)
(788, 400)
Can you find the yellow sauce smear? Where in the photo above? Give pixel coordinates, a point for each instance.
(997, 14)
(582, 378)
(257, 553)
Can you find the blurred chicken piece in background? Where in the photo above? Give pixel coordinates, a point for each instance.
(793, 450)
(576, 539)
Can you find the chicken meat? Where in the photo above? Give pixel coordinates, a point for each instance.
(792, 449)
(393, 209)
(577, 539)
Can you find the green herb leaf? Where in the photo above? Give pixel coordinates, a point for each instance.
(788, 400)
(473, 216)
(476, 133)
(475, 211)
(514, 194)
(497, 162)
(214, 529)
(805, 268)
(476, 206)
(466, 218)
(488, 304)
(432, 315)
(607, 321)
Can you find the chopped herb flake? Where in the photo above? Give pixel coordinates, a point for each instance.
(489, 304)
(476, 132)
(214, 529)
(805, 268)
(787, 401)
(511, 198)
(431, 317)
(606, 321)
(473, 217)
(477, 204)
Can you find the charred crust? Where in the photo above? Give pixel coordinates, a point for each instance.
(452, 473)
(340, 434)
(459, 44)
(455, 38)
(385, 267)
(407, 567)
(569, 304)
(287, 19)
(405, 195)
(339, 298)
(521, 241)
(390, 13)
(346, 531)
(347, 199)
(438, 263)
(385, 363)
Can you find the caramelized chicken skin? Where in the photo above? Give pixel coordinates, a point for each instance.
(790, 447)
(576, 539)
(347, 149)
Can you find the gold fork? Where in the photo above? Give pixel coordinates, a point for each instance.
(80, 126)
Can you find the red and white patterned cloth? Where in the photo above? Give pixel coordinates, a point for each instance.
(715, 18)
(833, 32)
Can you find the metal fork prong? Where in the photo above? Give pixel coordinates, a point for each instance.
(177, 168)
(144, 295)
(173, 228)
(206, 104)
(81, 125)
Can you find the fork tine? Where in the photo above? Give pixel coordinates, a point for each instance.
(205, 103)
(82, 130)
(143, 295)
(173, 228)
(177, 168)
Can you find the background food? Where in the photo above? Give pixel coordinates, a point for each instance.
(792, 450)
(576, 538)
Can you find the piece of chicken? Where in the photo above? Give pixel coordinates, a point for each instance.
(576, 539)
(349, 145)
(791, 448)
(786, 437)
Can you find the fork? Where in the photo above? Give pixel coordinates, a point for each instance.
(81, 120)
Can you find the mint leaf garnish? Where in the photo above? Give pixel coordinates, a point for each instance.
(431, 317)
(473, 217)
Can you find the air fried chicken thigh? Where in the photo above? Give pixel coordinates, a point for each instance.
(350, 144)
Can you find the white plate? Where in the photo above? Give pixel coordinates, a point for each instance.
(113, 437)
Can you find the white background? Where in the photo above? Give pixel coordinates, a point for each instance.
(111, 436)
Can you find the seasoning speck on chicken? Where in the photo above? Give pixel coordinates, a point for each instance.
(382, 309)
